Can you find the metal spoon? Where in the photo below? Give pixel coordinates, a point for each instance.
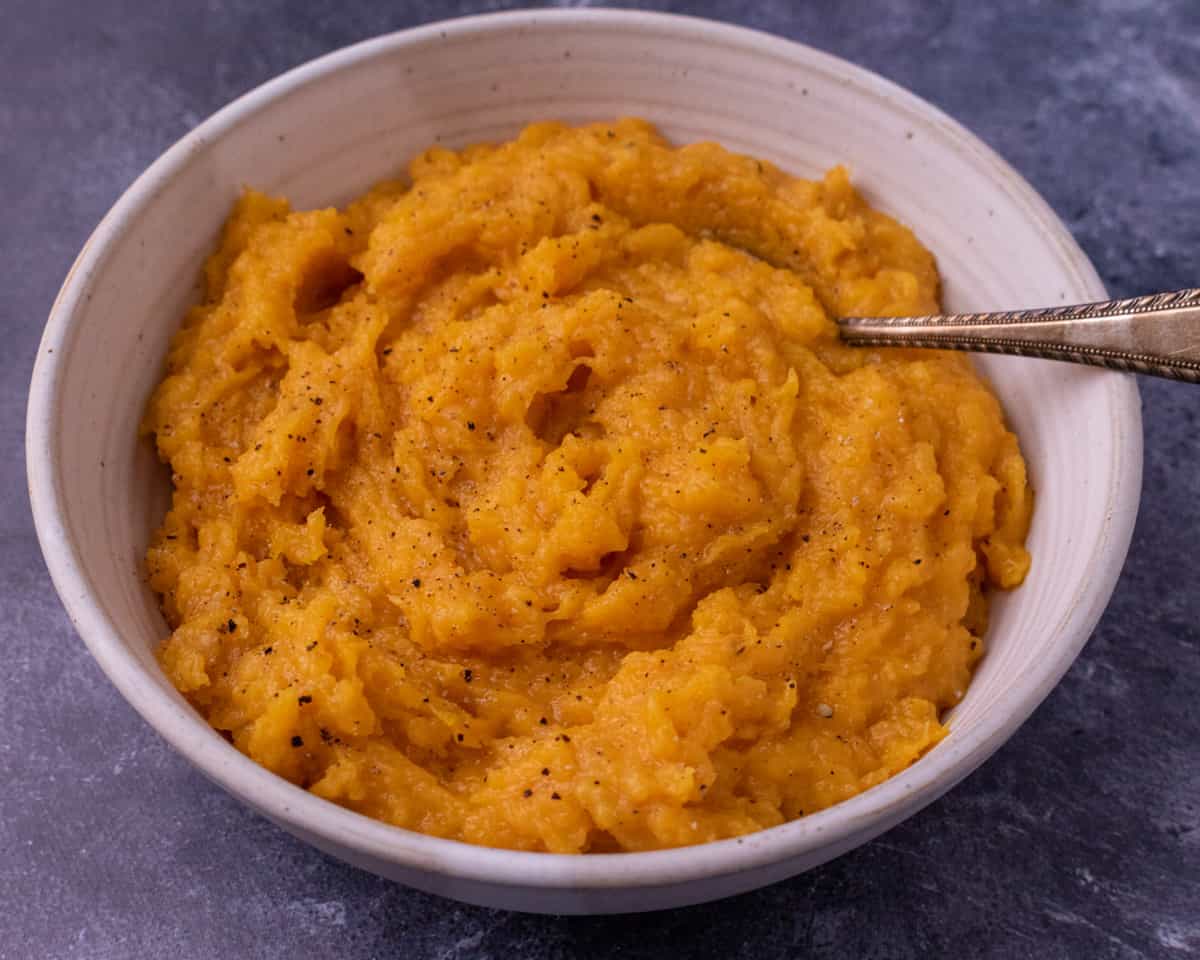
(1158, 335)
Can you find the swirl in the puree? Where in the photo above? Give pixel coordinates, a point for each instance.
(535, 503)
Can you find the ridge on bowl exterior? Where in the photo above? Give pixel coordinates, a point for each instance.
(324, 132)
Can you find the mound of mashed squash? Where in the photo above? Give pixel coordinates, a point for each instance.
(535, 503)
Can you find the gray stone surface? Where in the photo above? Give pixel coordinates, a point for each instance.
(1078, 839)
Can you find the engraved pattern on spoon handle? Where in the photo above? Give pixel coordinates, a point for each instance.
(1158, 335)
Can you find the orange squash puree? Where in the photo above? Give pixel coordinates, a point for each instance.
(537, 504)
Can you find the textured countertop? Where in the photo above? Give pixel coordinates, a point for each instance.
(1080, 838)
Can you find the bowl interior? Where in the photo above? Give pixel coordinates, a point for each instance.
(327, 133)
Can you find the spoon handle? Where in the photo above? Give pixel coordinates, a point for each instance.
(1157, 335)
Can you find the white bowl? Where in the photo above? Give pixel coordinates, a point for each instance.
(322, 133)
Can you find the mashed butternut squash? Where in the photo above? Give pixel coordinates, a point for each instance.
(535, 502)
